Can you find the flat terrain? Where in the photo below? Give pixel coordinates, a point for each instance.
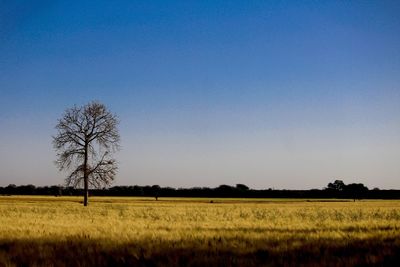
(59, 231)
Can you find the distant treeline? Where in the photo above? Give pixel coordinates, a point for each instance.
(336, 189)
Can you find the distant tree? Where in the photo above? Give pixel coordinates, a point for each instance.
(87, 136)
(137, 190)
(156, 190)
(225, 187)
(11, 189)
(242, 187)
(356, 191)
(337, 185)
(225, 190)
(56, 190)
(26, 189)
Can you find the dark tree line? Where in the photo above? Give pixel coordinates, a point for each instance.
(336, 189)
(87, 136)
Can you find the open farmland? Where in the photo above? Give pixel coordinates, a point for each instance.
(59, 231)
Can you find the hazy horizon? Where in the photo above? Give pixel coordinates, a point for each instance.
(285, 95)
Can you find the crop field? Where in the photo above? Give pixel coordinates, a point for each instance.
(59, 231)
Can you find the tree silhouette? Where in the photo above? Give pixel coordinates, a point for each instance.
(86, 139)
(356, 191)
(242, 187)
(337, 185)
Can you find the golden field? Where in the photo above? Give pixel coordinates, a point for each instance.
(111, 231)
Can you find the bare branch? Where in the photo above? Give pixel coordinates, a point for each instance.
(84, 133)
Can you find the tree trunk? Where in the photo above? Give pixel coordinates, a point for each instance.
(86, 192)
(85, 179)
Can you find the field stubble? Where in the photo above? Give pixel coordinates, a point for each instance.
(52, 231)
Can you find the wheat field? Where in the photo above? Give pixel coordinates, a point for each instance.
(111, 231)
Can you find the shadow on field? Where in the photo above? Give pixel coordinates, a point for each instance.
(86, 252)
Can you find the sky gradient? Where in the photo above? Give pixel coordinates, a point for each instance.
(272, 94)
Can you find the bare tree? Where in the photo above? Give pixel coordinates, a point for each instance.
(86, 139)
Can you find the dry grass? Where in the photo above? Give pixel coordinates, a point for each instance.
(50, 231)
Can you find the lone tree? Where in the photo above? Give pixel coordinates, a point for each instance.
(86, 139)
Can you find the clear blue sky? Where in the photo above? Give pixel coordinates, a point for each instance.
(283, 94)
